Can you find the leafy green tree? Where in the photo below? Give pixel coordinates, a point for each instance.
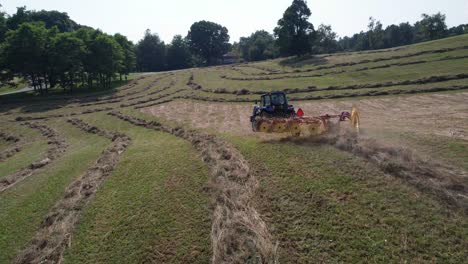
(326, 40)
(375, 34)
(108, 57)
(22, 16)
(129, 61)
(65, 56)
(6, 75)
(208, 40)
(258, 46)
(50, 18)
(458, 30)
(90, 66)
(151, 53)
(178, 54)
(3, 25)
(431, 27)
(25, 53)
(295, 34)
(406, 34)
(54, 19)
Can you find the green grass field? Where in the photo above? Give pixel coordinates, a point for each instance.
(311, 201)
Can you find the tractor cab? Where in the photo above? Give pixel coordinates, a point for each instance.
(274, 104)
(276, 99)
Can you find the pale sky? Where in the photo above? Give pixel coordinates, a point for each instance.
(241, 17)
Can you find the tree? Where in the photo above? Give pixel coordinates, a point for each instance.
(178, 54)
(22, 16)
(3, 25)
(108, 57)
(129, 60)
(208, 40)
(150, 52)
(25, 52)
(326, 40)
(398, 35)
(50, 18)
(90, 65)
(54, 19)
(375, 34)
(406, 33)
(294, 32)
(258, 46)
(431, 27)
(65, 55)
(458, 30)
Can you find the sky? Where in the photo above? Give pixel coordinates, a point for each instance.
(241, 17)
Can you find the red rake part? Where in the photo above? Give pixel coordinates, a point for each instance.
(300, 112)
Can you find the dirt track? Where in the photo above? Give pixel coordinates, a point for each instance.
(440, 114)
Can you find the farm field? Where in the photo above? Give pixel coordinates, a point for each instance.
(166, 168)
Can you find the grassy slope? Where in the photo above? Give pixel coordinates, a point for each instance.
(23, 207)
(210, 79)
(327, 206)
(291, 64)
(152, 209)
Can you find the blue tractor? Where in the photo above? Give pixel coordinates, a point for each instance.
(273, 105)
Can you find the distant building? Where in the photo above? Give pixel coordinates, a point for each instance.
(230, 58)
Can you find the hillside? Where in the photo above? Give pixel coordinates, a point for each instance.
(166, 168)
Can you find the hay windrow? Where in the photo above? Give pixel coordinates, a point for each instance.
(425, 80)
(238, 235)
(57, 146)
(156, 101)
(151, 99)
(340, 71)
(357, 93)
(11, 151)
(56, 231)
(89, 111)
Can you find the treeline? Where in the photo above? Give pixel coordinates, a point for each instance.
(48, 49)
(430, 27)
(205, 44)
(295, 35)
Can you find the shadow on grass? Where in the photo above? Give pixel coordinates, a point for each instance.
(29, 102)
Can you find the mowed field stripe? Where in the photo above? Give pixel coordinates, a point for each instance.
(154, 209)
(56, 231)
(238, 233)
(57, 146)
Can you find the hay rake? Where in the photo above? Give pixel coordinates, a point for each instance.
(275, 115)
